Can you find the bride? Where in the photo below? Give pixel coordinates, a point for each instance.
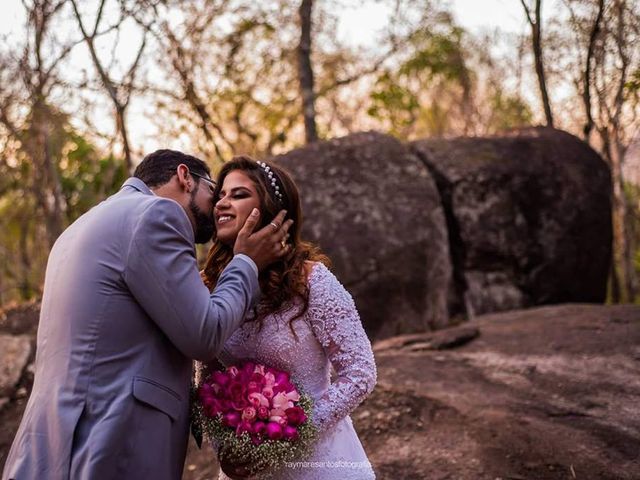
(305, 324)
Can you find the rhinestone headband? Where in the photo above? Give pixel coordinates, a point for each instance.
(273, 179)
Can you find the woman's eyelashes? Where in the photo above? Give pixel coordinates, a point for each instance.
(235, 195)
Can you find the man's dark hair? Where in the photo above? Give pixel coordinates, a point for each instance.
(158, 167)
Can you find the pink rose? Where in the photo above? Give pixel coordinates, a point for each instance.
(295, 415)
(231, 419)
(259, 369)
(212, 407)
(267, 392)
(269, 379)
(205, 390)
(258, 399)
(225, 405)
(263, 412)
(285, 387)
(281, 402)
(258, 378)
(290, 433)
(254, 387)
(235, 391)
(249, 414)
(232, 371)
(274, 431)
(239, 405)
(259, 427)
(282, 377)
(220, 378)
(279, 419)
(292, 395)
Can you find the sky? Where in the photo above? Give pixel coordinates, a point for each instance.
(362, 23)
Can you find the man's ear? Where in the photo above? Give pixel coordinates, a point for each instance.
(184, 179)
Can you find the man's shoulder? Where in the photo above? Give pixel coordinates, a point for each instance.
(139, 203)
(151, 212)
(133, 211)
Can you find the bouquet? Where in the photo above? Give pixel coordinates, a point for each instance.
(256, 415)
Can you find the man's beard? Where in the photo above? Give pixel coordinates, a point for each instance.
(204, 223)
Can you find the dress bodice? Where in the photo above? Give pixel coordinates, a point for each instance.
(329, 334)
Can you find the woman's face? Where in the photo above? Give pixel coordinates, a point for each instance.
(238, 196)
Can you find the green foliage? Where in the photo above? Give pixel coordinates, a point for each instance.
(393, 103)
(633, 84)
(509, 111)
(86, 176)
(406, 99)
(436, 55)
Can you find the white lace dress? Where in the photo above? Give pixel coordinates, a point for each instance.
(329, 334)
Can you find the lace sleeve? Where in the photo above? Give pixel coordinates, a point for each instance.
(336, 324)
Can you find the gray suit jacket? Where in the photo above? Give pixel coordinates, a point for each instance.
(123, 313)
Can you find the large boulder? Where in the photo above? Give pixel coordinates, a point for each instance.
(529, 218)
(14, 356)
(20, 319)
(373, 207)
(18, 325)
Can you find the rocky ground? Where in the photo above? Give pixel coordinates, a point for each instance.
(545, 393)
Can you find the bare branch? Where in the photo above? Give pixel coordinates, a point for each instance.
(131, 74)
(527, 12)
(98, 17)
(357, 76)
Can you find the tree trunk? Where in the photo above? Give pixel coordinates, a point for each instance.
(25, 288)
(623, 220)
(122, 128)
(305, 72)
(614, 280)
(537, 53)
(536, 44)
(586, 90)
(47, 187)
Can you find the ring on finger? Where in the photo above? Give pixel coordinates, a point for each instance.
(274, 225)
(283, 243)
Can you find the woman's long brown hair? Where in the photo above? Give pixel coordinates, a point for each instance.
(285, 280)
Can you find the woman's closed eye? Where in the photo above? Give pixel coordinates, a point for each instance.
(236, 193)
(235, 196)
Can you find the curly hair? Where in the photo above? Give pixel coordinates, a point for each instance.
(284, 281)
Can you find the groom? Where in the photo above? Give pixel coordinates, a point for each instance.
(123, 313)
